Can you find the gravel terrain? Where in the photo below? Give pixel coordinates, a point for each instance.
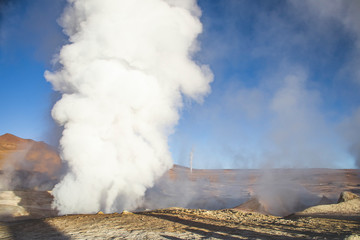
(180, 223)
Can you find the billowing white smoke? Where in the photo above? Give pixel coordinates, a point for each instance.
(123, 75)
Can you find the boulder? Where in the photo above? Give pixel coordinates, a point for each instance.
(252, 205)
(347, 196)
(324, 201)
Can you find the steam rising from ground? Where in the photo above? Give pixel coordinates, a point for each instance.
(124, 72)
(352, 137)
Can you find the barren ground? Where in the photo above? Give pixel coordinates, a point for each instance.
(179, 223)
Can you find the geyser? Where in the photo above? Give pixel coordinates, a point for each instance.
(123, 75)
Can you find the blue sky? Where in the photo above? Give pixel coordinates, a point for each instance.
(285, 91)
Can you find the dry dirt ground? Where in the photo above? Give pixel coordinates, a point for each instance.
(180, 223)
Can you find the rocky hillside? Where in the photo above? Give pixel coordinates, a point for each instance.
(27, 164)
(28, 155)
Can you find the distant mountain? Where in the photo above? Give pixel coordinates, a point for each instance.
(18, 154)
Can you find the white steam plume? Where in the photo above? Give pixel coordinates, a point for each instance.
(124, 72)
(350, 130)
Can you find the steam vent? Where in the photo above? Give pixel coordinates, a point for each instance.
(180, 119)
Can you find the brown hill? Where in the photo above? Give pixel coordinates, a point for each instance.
(28, 155)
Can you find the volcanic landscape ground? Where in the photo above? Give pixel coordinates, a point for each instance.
(198, 204)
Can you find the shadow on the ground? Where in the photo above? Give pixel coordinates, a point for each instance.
(216, 231)
(224, 232)
(31, 228)
(170, 237)
(355, 218)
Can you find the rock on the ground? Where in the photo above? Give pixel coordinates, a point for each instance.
(347, 196)
(253, 205)
(349, 206)
(353, 237)
(325, 200)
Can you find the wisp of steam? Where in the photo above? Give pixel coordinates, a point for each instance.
(123, 76)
